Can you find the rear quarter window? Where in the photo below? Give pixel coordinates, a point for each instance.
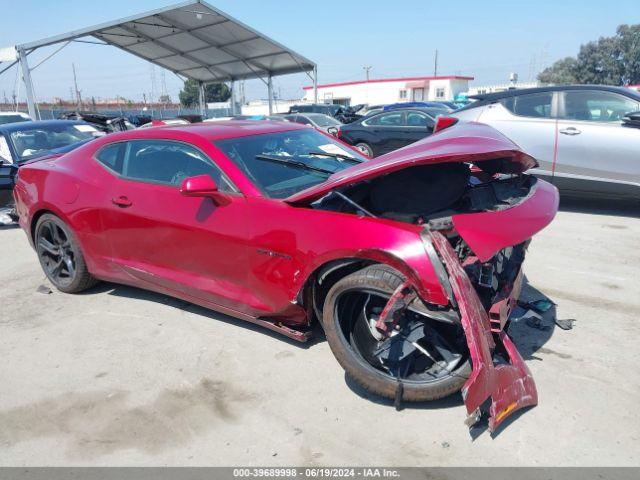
(111, 156)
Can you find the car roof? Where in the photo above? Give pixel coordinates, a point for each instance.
(428, 110)
(486, 98)
(221, 130)
(313, 115)
(17, 126)
(14, 113)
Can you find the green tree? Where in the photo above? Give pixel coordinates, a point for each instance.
(561, 72)
(609, 61)
(214, 92)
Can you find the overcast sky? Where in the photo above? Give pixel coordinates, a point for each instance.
(485, 39)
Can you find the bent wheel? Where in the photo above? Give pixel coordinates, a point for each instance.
(429, 357)
(60, 256)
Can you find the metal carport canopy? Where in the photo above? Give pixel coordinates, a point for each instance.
(193, 40)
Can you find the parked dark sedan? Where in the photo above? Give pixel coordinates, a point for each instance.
(23, 141)
(384, 132)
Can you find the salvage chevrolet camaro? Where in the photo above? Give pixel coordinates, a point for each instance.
(411, 261)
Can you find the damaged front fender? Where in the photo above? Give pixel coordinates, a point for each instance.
(510, 385)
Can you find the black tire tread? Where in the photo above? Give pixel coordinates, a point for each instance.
(84, 279)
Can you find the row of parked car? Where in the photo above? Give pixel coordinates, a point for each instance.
(585, 138)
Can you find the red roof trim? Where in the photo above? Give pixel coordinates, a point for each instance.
(382, 80)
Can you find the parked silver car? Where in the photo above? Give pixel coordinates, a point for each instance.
(576, 133)
(318, 120)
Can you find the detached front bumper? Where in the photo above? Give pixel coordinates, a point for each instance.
(510, 385)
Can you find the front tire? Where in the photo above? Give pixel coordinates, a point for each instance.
(435, 368)
(60, 255)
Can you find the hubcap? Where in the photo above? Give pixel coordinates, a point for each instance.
(55, 252)
(364, 149)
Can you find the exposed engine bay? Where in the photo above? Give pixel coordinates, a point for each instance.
(430, 192)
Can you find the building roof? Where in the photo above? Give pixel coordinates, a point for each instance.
(195, 40)
(399, 79)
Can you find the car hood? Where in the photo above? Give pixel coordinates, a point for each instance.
(469, 142)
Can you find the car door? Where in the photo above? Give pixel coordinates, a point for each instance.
(418, 126)
(386, 131)
(597, 154)
(529, 121)
(188, 245)
(8, 171)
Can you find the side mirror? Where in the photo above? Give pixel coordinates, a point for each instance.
(203, 186)
(333, 131)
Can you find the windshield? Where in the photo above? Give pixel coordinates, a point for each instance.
(324, 120)
(35, 142)
(281, 164)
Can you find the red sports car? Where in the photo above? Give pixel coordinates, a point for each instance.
(411, 262)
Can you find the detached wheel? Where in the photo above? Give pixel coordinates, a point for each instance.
(365, 148)
(428, 356)
(60, 256)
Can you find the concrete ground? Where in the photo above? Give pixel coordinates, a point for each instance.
(120, 376)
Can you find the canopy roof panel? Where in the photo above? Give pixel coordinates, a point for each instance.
(195, 40)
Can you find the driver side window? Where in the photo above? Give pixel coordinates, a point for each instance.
(168, 163)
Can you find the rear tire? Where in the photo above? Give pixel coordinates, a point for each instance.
(365, 148)
(383, 280)
(60, 255)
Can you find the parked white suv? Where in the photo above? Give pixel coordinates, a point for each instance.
(577, 134)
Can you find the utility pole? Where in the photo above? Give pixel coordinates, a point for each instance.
(366, 69)
(435, 65)
(75, 84)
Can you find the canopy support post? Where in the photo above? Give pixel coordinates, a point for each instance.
(315, 84)
(26, 76)
(232, 87)
(270, 92)
(202, 100)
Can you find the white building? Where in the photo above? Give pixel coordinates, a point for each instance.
(502, 87)
(390, 90)
(261, 107)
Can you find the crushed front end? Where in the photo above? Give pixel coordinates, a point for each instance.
(482, 255)
(499, 373)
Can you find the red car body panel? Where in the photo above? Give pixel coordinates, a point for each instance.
(252, 256)
(486, 234)
(509, 386)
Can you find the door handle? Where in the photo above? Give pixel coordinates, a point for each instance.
(121, 201)
(570, 131)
